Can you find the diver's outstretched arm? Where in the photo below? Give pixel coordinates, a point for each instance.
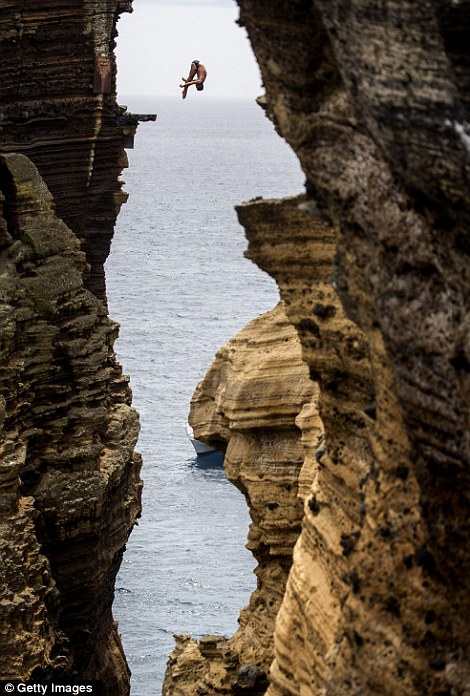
(193, 82)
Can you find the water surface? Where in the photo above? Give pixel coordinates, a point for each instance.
(180, 287)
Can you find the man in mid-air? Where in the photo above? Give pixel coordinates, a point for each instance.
(197, 71)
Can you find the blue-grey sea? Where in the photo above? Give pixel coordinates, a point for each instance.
(180, 287)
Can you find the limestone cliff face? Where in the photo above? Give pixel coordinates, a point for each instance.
(374, 99)
(249, 400)
(68, 474)
(372, 266)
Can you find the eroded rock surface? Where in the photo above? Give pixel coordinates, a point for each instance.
(249, 400)
(69, 477)
(377, 131)
(336, 583)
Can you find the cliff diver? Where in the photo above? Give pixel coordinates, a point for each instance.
(198, 71)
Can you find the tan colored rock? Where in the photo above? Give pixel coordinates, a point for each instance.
(334, 567)
(363, 611)
(249, 400)
(373, 98)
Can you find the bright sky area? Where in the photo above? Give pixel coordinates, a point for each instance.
(158, 41)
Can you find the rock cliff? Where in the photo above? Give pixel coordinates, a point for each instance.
(247, 404)
(344, 413)
(372, 266)
(68, 474)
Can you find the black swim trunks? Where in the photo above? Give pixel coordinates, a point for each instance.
(196, 63)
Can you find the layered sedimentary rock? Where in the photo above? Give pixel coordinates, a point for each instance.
(248, 403)
(373, 271)
(70, 481)
(346, 526)
(58, 106)
(69, 475)
(378, 121)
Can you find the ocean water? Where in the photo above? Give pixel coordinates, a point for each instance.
(180, 287)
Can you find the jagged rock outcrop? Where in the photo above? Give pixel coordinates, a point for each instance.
(69, 477)
(248, 403)
(373, 272)
(373, 98)
(68, 473)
